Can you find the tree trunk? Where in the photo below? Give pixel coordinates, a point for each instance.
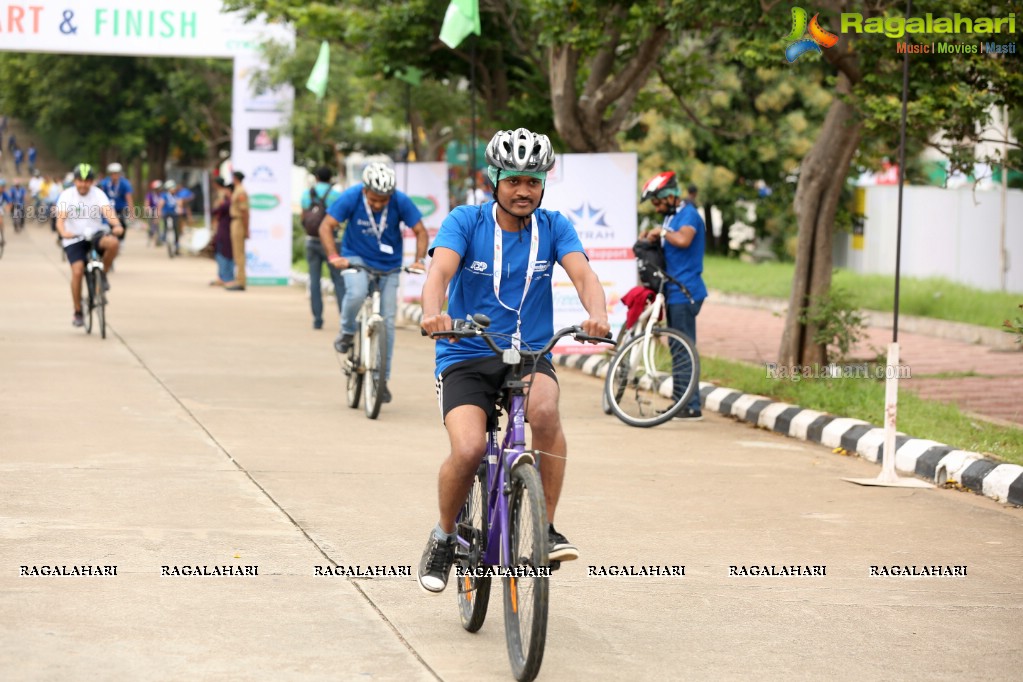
(821, 179)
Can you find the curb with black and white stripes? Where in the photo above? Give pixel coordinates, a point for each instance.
(927, 459)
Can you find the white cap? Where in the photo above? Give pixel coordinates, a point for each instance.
(114, 168)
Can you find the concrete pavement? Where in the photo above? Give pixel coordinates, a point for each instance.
(209, 429)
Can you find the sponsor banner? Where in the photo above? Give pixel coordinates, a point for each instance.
(597, 193)
(262, 150)
(166, 28)
(427, 186)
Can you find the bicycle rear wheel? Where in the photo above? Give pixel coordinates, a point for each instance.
(100, 298)
(526, 597)
(353, 370)
(2, 244)
(376, 368)
(473, 592)
(651, 378)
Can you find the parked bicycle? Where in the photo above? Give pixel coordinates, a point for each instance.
(654, 370)
(502, 527)
(365, 363)
(94, 296)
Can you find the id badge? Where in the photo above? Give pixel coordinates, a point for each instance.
(386, 248)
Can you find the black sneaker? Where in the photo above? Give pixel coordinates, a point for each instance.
(385, 394)
(688, 414)
(558, 546)
(435, 565)
(343, 343)
(78, 320)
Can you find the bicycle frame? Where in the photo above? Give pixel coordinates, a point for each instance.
(500, 461)
(369, 314)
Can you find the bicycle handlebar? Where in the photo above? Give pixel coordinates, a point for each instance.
(477, 326)
(373, 272)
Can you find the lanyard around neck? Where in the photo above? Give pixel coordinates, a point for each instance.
(378, 230)
(534, 249)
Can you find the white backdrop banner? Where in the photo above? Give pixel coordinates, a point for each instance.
(597, 193)
(427, 186)
(261, 150)
(189, 28)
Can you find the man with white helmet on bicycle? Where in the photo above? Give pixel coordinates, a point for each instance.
(120, 191)
(80, 213)
(498, 259)
(374, 211)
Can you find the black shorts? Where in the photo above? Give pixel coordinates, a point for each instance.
(79, 251)
(478, 382)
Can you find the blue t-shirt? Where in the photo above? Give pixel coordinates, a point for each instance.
(4, 198)
(322, 189)
(170, 204)
(118, 193)
(383, 252)
(686, 265)
(469, 232)
(16, 196)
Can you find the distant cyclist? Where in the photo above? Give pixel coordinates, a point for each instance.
(374, 211)
(18, 199)
(498, 259)
(80, 213)
(119, 190)
(153, 211)
(170, 213)
(4, 200)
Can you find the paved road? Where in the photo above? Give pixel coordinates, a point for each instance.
(209, 429)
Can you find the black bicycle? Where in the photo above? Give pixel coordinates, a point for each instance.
(94, 297)
(18, 216)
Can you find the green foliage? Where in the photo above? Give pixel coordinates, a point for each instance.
(838, 323)
(1015, 326)
(93, 106)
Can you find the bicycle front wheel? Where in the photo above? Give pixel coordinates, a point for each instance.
(473, 591)
(353, 371)
(525, 591)
(376, 368)
(652, 377)
(99, 296)
(87, 299)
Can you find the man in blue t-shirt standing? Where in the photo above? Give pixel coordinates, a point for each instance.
(117, 187)
(315, 255)
(374, 211)
(498, 259)
(684, 235)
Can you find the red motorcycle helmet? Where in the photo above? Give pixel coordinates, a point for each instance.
(660, 186)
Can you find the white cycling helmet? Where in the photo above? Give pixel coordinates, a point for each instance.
(114, 168)
(379, 178)
(520, 150)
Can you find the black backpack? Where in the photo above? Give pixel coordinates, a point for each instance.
(313, 216)
(650, 263)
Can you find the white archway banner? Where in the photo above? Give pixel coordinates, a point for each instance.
(188, 28)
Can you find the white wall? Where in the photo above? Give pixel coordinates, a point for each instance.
(945, 233)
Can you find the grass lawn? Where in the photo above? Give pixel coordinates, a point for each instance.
(931, 297)
(864, 399)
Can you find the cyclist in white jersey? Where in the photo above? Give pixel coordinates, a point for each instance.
(80, 213)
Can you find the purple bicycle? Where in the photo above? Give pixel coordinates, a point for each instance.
(502, 527)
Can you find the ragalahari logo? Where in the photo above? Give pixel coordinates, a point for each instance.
(818, 36)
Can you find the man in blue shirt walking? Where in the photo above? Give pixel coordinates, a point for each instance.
(315, 255)
(374, 211)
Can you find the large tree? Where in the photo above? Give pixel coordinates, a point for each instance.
(952, 93)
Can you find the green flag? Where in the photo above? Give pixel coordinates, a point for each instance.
(411, 75)
(318, 77)
(461, 19)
